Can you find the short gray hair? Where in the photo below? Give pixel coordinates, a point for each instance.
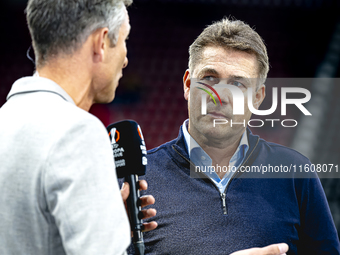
(235, 35)
(62, 26)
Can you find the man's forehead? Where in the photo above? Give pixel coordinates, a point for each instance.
(220, 54)
(127, 22)
(127, 17)
(215, 52)
(218, 60)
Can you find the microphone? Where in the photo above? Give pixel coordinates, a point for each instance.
(129, 153)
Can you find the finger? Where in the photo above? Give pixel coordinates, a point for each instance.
(275, 249)
(145, 214)
(125, 191)
(147, 200)
(150, 226)
(143, 185)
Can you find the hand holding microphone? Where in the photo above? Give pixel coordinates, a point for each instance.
(129, 153)
(145, 201)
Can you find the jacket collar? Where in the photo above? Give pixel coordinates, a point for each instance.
(36, 84)
(179, 152)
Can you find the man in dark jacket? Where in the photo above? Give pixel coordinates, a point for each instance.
(210, 199)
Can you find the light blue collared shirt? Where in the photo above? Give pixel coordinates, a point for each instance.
(200, 158)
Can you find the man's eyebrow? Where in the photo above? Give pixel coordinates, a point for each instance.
(238, 77)
(208, 70)
(213, 71)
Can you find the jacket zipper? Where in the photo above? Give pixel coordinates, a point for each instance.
(223, 195)
(238, 169)
(224, 206)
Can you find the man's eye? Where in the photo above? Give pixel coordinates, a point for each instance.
(210, 79)
(236, 83)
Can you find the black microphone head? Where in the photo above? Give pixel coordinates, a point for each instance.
(128, 146)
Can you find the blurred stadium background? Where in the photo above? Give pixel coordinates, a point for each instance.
(303, 40)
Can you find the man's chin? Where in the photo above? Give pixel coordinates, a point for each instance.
(106, 99)
(211, 120)
(110, 100)
(218, 133)
(221, 129)
(217, 116)
(112, 93)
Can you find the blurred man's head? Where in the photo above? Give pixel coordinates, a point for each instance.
(62, 26)
(83, 40)
(226, 52)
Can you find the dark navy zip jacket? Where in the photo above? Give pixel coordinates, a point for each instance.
(194, 218)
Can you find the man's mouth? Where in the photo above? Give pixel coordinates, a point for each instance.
(218, 115)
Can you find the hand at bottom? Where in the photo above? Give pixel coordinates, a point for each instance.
(145, 200)
(274, 249)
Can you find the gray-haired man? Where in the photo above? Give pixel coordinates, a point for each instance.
(204, 211)
(59, 192)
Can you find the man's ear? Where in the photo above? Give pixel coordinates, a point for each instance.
(100, 42)
(186, 84)
(259, 96)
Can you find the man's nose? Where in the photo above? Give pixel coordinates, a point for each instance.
(126, 61)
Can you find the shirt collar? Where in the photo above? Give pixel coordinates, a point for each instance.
(191, 144)
(34, 84)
